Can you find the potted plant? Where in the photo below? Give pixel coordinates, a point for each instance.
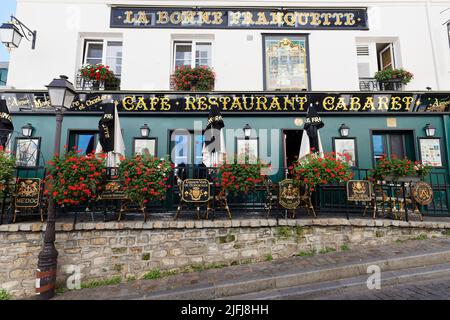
(399, 170)
(314, 170)
(241, 177)
(186, 78)
(7, 164)
(393, 79)
(74, 178)
(145, 178)
(97, 75)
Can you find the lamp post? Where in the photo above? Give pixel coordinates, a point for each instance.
(11, 35)
(145, 131)
(430, 130)
(247, 131)
(344, 130)
(62, 94)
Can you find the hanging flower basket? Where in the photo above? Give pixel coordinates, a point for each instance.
(7, 164)
(186, 78)
(99, 76)
(393, 79)
(399, 170)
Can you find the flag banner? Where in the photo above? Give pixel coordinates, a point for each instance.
(6, 125)
(106, 128)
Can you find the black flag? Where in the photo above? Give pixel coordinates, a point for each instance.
(213, 128)
(6, 125)
(106, 128)
(312, 125)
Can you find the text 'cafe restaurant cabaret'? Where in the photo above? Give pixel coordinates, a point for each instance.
(269, 67)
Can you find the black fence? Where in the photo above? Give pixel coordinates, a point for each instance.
(390, 199)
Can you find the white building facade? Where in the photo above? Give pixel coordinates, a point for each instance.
(409, 34)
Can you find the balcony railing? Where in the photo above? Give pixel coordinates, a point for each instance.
(83, 84)
(368, 84)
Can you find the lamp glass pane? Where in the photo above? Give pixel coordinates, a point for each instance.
(344, 132)
(247, 132)
(57, 96)
(144, 132)
(69, 97)
(6, 35)
(17, 37)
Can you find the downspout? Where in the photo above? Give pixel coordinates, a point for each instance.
(446, 120)
(433, 51)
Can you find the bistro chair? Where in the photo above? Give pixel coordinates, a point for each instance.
(271, 195)
(305, 201)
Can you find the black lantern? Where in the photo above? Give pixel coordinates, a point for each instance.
(10, 35)
(27, 130)
(247, 131)
(344, 130)
(145, 131)
(430, 130)
(61, 92)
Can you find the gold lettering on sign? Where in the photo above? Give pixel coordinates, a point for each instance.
(395, 103)
(217, 17)
(302, 102)
(315, 19)
(350, 19)
(248, 18)
(341, 104)
(383, 103)
(189, 17)
(328, 103)
(141, 104)
(225, 101)
(128, 17)
(163, 17)
(355, 103)
(142, 17)
(369, 104)
(234, 18)
(303, 18)
(213, 102)
(262, 20)
(338, 16)
(204, 17)
(276, 18)
(407, 101)
(289, 18)
(275, 104)
(189, 103)
(261, 101)
(202, 105)
(127, 103)
(175, 17)
(153, 102)
(165, 104)
(326, 19)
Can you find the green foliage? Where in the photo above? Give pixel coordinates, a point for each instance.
(393, 74)
(326, 250)
(283, 232)
(344, 247)
(421, 237)
(131, 278)
(446, 232)
(153, 274)
(398, 168)
(101, 282)
(241, 177)
(309, 253)
(269, 257)
(200, 78)
(145, 178)
(7, 164)
(314, 170)
(75, 178)
(4, 295)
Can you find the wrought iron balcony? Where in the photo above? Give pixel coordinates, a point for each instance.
(368, 84)
(83, 84)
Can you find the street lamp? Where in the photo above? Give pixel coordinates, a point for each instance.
(11, 35)
(27, 130)
(430, 130)
(247, 131)
(344, 130)
(145, 131)
(62, 94)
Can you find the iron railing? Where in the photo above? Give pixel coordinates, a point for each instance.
(392, 199)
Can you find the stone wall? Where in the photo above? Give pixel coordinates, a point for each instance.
(105, 250)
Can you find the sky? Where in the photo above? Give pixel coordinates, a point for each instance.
(7, 7)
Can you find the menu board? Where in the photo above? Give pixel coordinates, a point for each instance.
(430, 151)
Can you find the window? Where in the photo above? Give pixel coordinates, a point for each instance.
(386, 57)
(186, 147)
(398, 144)
(192, 54)
(3, 76)
(83, 140)
(27, 152)
(285, 63)
(107, 52)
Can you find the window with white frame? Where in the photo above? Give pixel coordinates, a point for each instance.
(107, 52)
(192, 53)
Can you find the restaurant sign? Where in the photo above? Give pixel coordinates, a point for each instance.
(28, 193)
(239, 18)
(359, 190)
(242, 103)
(195, 190)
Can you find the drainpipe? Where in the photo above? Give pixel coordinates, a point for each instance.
(433, 51)
(446, 120)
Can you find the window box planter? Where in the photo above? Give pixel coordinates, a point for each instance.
(392, 178)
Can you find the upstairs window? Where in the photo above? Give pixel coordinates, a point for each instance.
(107, 52)
(192, 53)
(3, 76)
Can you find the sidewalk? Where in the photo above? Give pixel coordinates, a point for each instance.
(298, 270)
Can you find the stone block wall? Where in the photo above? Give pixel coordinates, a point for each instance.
(131, 249)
